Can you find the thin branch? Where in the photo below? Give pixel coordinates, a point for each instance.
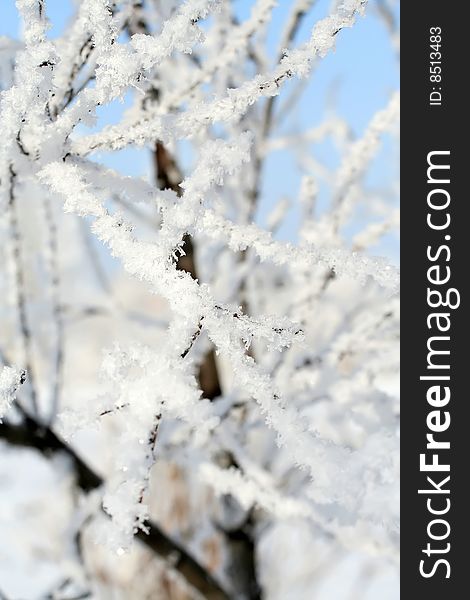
(267, 118)
(56, 308)
(114, 410)
(151, 455)
(20, 291)
(194, 337)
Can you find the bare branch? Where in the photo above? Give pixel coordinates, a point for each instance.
(20, 291)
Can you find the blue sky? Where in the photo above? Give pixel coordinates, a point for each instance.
(362, 72)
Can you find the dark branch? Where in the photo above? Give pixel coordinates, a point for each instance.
(169, 176)
(31, 434)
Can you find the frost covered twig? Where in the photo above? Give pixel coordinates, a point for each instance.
(54, 266)
(20, 291)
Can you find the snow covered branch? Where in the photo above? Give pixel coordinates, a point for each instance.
(191, 294)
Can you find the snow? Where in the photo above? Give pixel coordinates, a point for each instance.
(300, 450)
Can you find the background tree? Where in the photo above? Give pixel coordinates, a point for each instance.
(173, 370)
